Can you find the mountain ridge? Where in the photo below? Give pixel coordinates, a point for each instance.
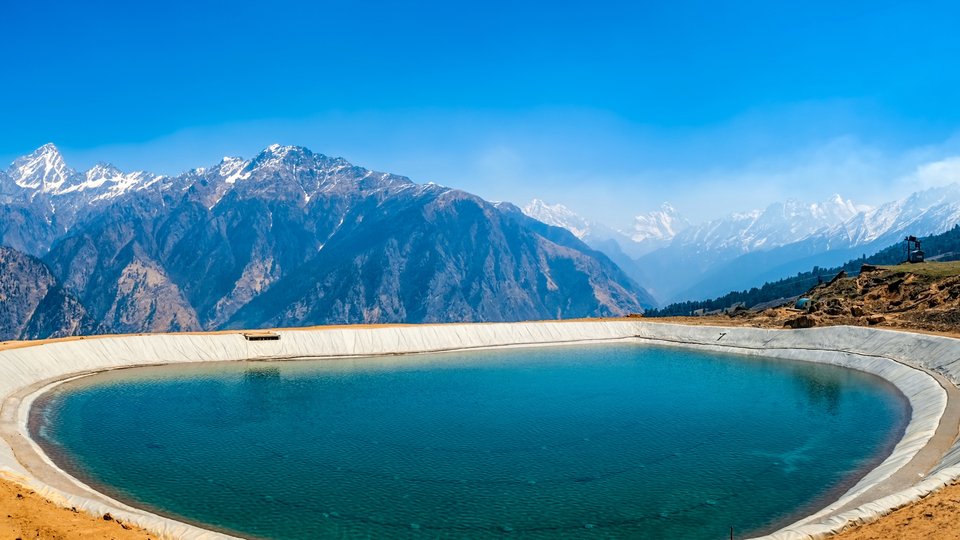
(744, 249)
(293, 237)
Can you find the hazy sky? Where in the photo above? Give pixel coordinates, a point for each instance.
(609, 108)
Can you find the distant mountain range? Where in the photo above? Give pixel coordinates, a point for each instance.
(940, 247)
(650, 231)
(743, 250)
(289, 237)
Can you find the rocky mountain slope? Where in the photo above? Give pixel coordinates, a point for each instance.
(602, 238)
(295, 238)
(34, 304)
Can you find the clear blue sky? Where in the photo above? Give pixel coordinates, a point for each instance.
(607, 107)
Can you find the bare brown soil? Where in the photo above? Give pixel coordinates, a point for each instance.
(915, 297)
(936, 517)
(26, 515)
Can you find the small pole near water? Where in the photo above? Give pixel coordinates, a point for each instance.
(731, 533)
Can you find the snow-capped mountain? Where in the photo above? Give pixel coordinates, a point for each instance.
(698, 250)
(44, 174)
(559, 215)
(104, 181)
(669, 254)
(778, 224)
(659, 226)
(746, 250)
(651, 231)
(612, 243)
(291, 237)
(42, 171)
(931, 211)
(677, 260)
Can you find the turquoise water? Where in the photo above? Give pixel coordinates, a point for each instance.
(598, 441)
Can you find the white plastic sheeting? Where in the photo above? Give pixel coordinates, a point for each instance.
(24, 371)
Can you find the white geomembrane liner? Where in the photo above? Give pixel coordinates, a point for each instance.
(898, 357)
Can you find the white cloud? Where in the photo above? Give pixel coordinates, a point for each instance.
(935, 174)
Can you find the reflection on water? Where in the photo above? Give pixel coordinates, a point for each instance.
(260, 391)
(599, 441)
(822, 389)
(262, 374)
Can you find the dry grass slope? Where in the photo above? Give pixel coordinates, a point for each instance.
(919, 297)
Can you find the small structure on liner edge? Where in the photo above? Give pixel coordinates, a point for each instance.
(914, 253)
(261, 335)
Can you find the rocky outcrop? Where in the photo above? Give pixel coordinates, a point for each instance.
(922, 296)
(33, 304)
(443, 255)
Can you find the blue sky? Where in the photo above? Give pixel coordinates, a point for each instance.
(607, 107)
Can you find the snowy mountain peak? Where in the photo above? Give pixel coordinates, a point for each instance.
(276, 156)
(104, 181)
(840, 201)
(100, 174)
(558, 215)
(43, 170)
(103, 170)
(232, 169)
(836, 208)
(776, 225)
(924, 212)
(660, 225)
(279, 151)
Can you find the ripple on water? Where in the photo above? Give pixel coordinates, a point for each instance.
(588, 441)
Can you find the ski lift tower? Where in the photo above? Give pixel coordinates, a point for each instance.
(914, 253)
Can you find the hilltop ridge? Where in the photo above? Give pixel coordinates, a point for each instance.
(924, 296)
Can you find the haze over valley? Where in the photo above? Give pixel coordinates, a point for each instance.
(676, 259)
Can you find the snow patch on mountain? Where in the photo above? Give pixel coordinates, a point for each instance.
(558, 215)
(233, 169)
(660, 225)
(778, 224)
(95, 178)
(135, 181)
(43, 170)
(930, 211)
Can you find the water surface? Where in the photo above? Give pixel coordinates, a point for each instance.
(590, 441)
